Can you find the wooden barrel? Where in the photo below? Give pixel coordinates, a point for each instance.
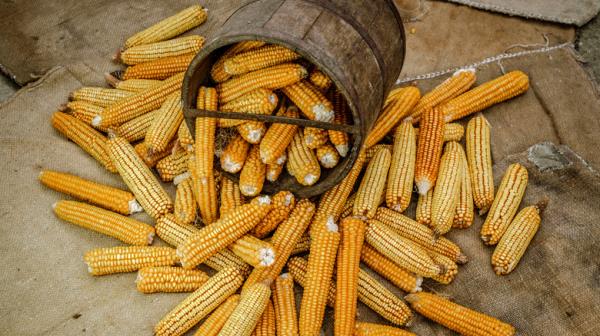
(359, 44)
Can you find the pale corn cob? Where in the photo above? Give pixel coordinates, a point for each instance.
(123, 259)
(320, 80)
(184, 137)
(485, 95)
(216, 320)
(450, 269)
(311, 102)
(284, 240)
(348, 260)
(252, 131)
(402, 251)
(245, 316)
(275, 77)
(99, 96)
(285, 306)
(135, 129)
(87, 138)
(165, 124)
(456, 317)
(506, 203)
(429, 149)
(423, 212)
(160, 68)
(157, 50)
(132, 85)
(172, 165)
(402, 168)
(256, 59)
(447, 190)
(463, 216)
(372, 186)
(319, 272)
(213, 238)
(315, 137)
(259, 101)
(273, 171)
(185, 204)
(283, 203)
(303, 245)
(166, 279)
(231, 196)
(254, 251)
(391, 115)
(385, 267)
(234, 155)
(138, 177)
(217, 71)
(370, 152)
(328, 156)
(266, 324)
(339, 139)
(138, 104)
(200, 303)
(278, 137)
(114, 199)
(460, 82)
(84, 111)
(479, 157)
(151, 159)
(452, 132)
(303, 161)
(170, 27)
(372, 329)
(516, 239)
(252, 177)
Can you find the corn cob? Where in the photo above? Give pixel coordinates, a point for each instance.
(339, 139)
(172, 165)
(157, 50)
(252, 131)
(135, 129)
(131, 85)
(372, 329)
(84, 111)
(456, 317)
(254, 251)
(372, 186)
(402, 168)
(168, 279)
(161, 68)
(315, 137)
(393, 96)
(259, 101)
(266, 324)
(463, 216)
(392, 114)
(185, 204)
(273, 171)
(485, 95)
(423, 212)
(514, 242)
(215, 321)
(283, 203)
(151, 159)
(297, 267)
(273, 78)
(479, 157)
(234, 155)
(217, 72)
(452, 132)
(348, 206)
(252, 176)
(303, 161)
(371, 151)
(246, 315)
(320, 80)
(311, 102)
(165, 124)
(201, 302)
(114, 199)
(460, 82)
(184, 137)
(303, 245)
(429, 150)
(385, 267)
(507, 200)
(99, 96)
(231, 196)
(170, 27)
(348, 260)
(328, 156)
(278, 137)
(256, 59)
(122, 259)
(285, 306)
(450, 269)
(447, 192)
(213, 238)
(138, 177)
(85, 137)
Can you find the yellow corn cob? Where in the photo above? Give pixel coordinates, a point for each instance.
(160, 68)
(370, 152)
(275, 77)
(114, 199)
(135, 129)
(260, 58)
(252, 176)
(85, 137)
(479, 157)
(514, 242)
(392, 114)
(170, 27)
(284, 240)
(168, 279)
(372, 186)
(165, 124)
(450, 269)
(266, 324)
(234, 155)
(328, 156)
(348, 207)
(201, 302)
(84, 111)
(185, 204)
(285, 306)
(320, 80)
(311, 102)
(385, 267)
(402, 168)
(172, 165)
(337, 138)
(348, 260)
(463, 216)
(447, 191)
(252, 131)
(429, 150)
(259, 101)
(507, 200)
(184, 136)
(131, 85)
(99, 96)
(273, 171)
(213, 238)
(485, 95)
(303, 161)
(138, 104)
(460, 82)
(423, 212)
(297, 267)
(402, 251)
(393, 95)
(254, 251)
(303, 245)
(245, 316)
(452, 132)
(319, 272)
(283, 203)
(217, 72)
(372, 329)
(215, 322)
(231, 196)
(151, 159)
(456, 317)
(122, 259)
(278, 137)
(138, 177)
(315, 137)
(157, 50)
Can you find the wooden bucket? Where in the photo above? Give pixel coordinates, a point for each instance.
(359, 44)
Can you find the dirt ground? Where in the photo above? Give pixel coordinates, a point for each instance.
(588, 44)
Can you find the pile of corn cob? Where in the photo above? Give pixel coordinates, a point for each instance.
(254, 245)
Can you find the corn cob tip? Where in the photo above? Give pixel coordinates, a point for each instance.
(54, 205)
(134, 207)
(281, 160)
(462, 259)
(264, 200)
(328, 160)
(408, 119)
(180, 178)
(423, 187)
(111, 79)
(331, 225)
(284, 275)
(342, 149)
(483, 211)
(411, 298)
(418, 284)
(96, 120)
(117, 56)
(248, 190)
(322, 113)
(310, 179)
(150, 238)
(396, 207)
(230, 166)
(63, 107)
(139, 277)
(459, 71)
(266, 256)
(288, 199)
